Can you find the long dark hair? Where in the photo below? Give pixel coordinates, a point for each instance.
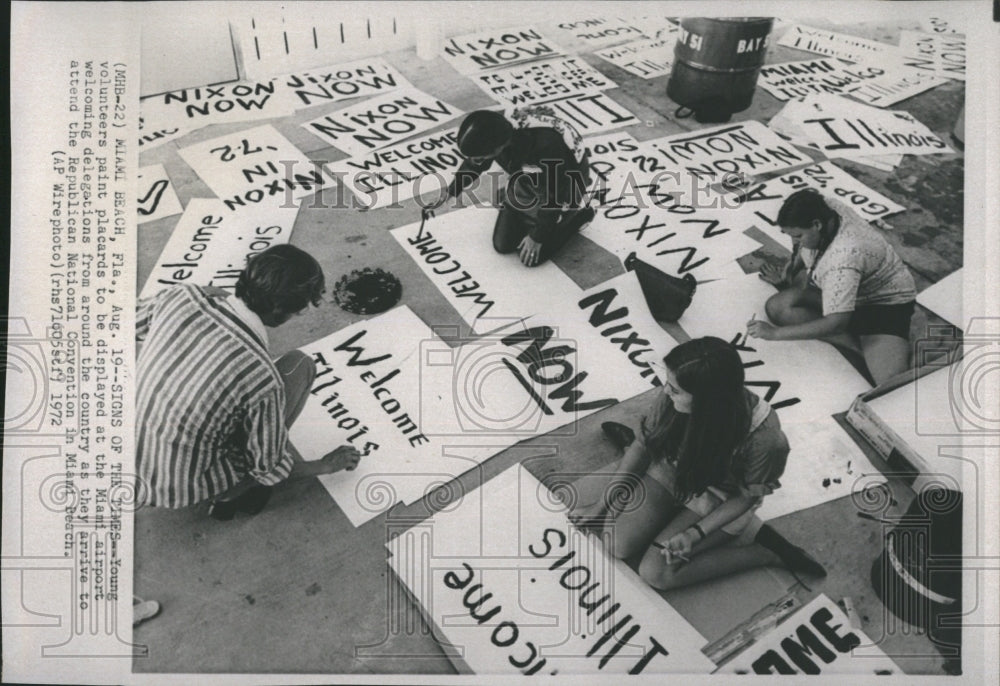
(702, 442)
(803, 207)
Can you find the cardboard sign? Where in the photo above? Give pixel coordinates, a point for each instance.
(391, 175)
(646, 58)
(610, 154)
(151, 137)
(156, 197)
(665, 231)
(256, 166)
(487, 289)
(511, 587)
(543, 374)
(805, 382)
(759, 204)
(382, 121)
(340, 82)
(193, 108)
(367, 395)
(538, 82)
(731, 153)
(818, 639)
(592, 113)
(873, 84)
(841, 128)
(834, 44)
(474, 52)
(600, 31)
(942, 54)
(211, 243)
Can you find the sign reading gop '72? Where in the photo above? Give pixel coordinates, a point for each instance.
(515, 589)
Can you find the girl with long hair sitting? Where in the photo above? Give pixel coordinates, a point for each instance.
(708, 454)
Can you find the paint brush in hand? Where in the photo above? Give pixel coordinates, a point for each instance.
(673, 554)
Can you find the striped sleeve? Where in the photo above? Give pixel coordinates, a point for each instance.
(270, 462)
(144, 316)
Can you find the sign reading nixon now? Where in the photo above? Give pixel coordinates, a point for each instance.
(381, 121)
(497, 48)
(513, 588)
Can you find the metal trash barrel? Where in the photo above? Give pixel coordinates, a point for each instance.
(716, 63)
(918, 575)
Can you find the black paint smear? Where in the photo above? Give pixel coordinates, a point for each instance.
(367, 291)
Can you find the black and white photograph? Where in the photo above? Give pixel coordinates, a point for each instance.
(452, 342)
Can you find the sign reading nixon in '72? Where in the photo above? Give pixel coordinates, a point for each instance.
(382, 121)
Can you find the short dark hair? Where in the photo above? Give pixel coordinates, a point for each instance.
(283, 279)
(482, 132)
(802, 208)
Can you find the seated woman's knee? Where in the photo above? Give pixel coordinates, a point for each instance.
(655, 571)
(776, 306)
(623, 546)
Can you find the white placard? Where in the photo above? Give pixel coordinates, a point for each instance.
(803, 380)
(514, 588)
(942, 54)
(731, 152)
(156, 197)
(474, 52)
(667, 232)
(455, 251)
(542, 375)
(337, 82)
(647, 58)
(256, 166)
(223, 103)
(832, 44)
(592, 113)
(841, 128)
(367, 394)
(818, 639)
(944, 299)
(210, 244)
(537, 82)
(391, 175)
(381, 121)
(759, 204)
(151, 137)
(596, 32)
(873, 84)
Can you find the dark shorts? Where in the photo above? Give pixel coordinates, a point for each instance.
(873, 320)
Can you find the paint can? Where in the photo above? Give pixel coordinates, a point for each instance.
(716, 64)
(918, 575)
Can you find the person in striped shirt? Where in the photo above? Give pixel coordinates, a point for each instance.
(212, 408)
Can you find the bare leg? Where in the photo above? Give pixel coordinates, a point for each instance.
(710, 557)
(885, 355)
(803, 303)
(640, 519)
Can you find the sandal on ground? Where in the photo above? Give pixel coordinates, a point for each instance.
(619, 434)
(251, 502)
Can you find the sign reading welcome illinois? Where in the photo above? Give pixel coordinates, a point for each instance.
(512, 587)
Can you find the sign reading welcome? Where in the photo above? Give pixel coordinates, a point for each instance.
(514, 588)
